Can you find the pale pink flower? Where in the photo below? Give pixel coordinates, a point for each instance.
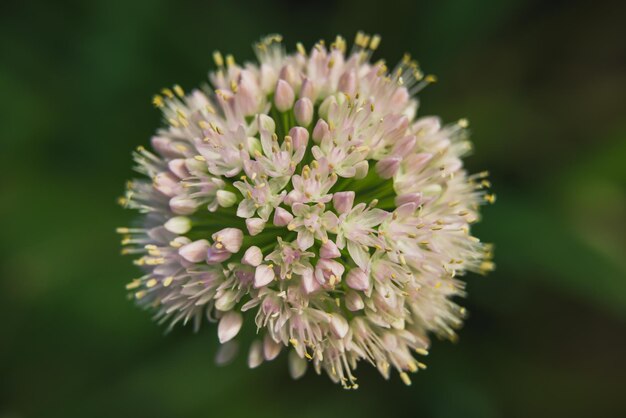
(304, 192)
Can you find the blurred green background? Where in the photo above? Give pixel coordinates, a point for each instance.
(543, 85)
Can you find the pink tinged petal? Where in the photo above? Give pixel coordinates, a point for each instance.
(305, 239)
(329, 250)
(288, 74)
(299, 136)
(400, 97)
(358, 279)
(303, 111)
(226, 353)
(359, 254)
(195, 251)
(253, 256)
(225, 198)
(320, 131)
(179, 168)
(230, 238)
(339, 325)
(182, 205)
(255, 225)
(347, 83)
(354, 302)
(215, 256)
(166, 183)
(178, 225)
(408, 198)
(308, 90)
(284, 96)
(406, 209)
(427, 125)
(388, 167)
(415, 162)
(309, 283)
(282, 217)
(229, 326)
(360, 169)
(405, 145)
(271, 349)
(163, 146)
(263, 275)
(255, 357)
(297, 365)
(342, 201)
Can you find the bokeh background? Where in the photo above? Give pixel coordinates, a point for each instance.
(543, 85)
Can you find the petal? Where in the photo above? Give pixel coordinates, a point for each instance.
(230, 238)
(354, 302)
(329, 250)
(253, 256)
(229, 326)
(342, 201)
(271, 349)
(358, 279)
(309, 284)
(195, 251)
(226, 353)
(297, 365)
(246, 208)
(178, 225)
(282, 217)
(305, 239)
(359, 255)
(255, 357)
(255, 226)
(339, 325)
(263, 275)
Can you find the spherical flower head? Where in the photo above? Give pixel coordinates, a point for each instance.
(303, 192)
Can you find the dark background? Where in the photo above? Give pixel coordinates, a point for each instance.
(544, 86)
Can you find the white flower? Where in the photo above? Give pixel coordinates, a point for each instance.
(303, 191)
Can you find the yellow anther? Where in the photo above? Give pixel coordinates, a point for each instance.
(230, 60)
(300, 48)
(217, 57)
(405, 378)
(157, 100)
(168, 281)
(133, 285)
(151, 283)
(167, 92)
(375, 42)
(179, 91)
(486, 266)
(431, 78)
